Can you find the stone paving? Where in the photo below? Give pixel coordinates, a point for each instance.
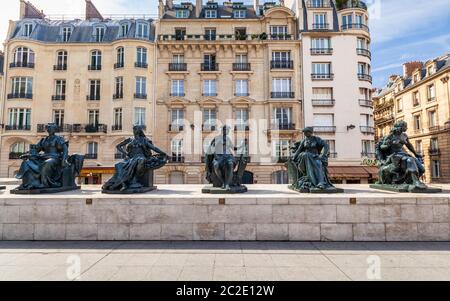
(224, 261)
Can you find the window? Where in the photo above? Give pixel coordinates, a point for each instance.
(177, 87)
(242, 146)
(209, 62)
(430, 70)
(321, 43)
(141, 57)
(432, 118)
(363, 68)
(241, 116)
(118, 87)
(278, 32)
(209, 118)
(419, 147)
(239, 14)
(431, 93)
(281, 148)
(24, 57)
(320, 21)
(182, 14)
(124, 28)
(96, 60)
(323, 120)
(347, 21)
(280, 177)
(58, 117)
(366, 120)
(120, 57)
(362, 44)
(177, 150)
(180, 34)
(434, 144)
(416, 99)
(139, 116)
(60, 88)
(241, 58)
(210, 87)
(332, 146)
(435, 169)
(99, 33)
(281, 56)
(142, 30)
(282, 117)
(322, 96)
(178, 58)
(368, 148)
(359, 19)
(94, 89)
(61, 59)
(281, 84)
(22, 86)
(210, 34)
(177, 118)
(321, 68)
(241, 87)
(28, 29)
(417, 122)
(117, 118)
(399, 105)
(93, 117)
(210, 13)
(19, 148)
(141, 86)
(19, 118)
(66, 34)
(92, 148)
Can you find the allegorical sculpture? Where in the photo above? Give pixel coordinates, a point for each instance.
(223, 170)
(47, 167)
(308, 165)
(135, 173)
(398, 170)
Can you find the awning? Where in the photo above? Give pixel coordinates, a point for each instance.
(353, 171)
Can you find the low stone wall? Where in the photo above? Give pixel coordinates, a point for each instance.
(266, 213)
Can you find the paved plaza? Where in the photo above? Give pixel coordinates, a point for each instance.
(224, 261)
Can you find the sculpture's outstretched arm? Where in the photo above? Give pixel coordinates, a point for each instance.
(155, 149)
(121, 146)
(411, 148)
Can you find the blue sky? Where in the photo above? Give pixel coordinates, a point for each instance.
(402, 30)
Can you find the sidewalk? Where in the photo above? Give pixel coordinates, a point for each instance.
(223, 261)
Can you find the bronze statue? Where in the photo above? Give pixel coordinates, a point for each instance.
(223, 169)
(398, 170)
(308, 165)
(47, 167)
(135, 173)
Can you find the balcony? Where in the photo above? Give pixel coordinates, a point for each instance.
(370, 130)
(209, 127)
(95, 67)
(93, 97)
(434, 152)
(60, 67)
(18, 127)
(242, 94)
(322, 76)
(431, 99)
(323, 102)
(89, 128)
(58, 97)
(282, 94)
(366, 103)
(15, 156)
(318, 4)
(321, 51)
(118, 96)
(119, 65)
(119, 156)
(174, 67)
(351, 4)
(141, 65)
(209, 67)
(67, 128)
(210, 37)
(176, 159)
(277, 126)
(116, 127)
(321, 26)
(355, 26)
(325, 129)
(176, 128)
(365, 77)
(211, 94)
(21, 65)
(364, 52)
(20, 95)
(177, 94)
(90, 156)
(140, 96)
(241, 67)
(281, 64)
(281, 37)
(434, 128)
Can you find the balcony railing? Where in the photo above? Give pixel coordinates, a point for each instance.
(364, 52)
(323, 102)
(95, 67)
(177, 94)
(355, 26)
(242, 94)
(431, 99)
(366, 103)
(209, 127)
(241, 67)
(176, 128)
(119, 65)
(319, 51)
(282, 94)
(209, 67)
(325, 129)
(58, 97)
(322, 76)
(434, 128)
(89, 128)
(226, 37)
(18, 127)
(15, 156)
(20, 95)
(213, 94)
(351, 4)
(176, 159)
(177, 67)
(118, 96)
(140, 96)
(434, 152)
(282, 64)
(91, 156)
(93, 97)
(366, 77)
(277, 126)
(367, 129)
(21, 65)
(42, 128)
(318, 4)
(321, 26)
(141, 65)
(116, 127)
(60, 67)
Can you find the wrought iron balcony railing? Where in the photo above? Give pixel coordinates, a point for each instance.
(288, 64)
(177, 67)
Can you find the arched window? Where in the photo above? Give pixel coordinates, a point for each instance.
(17, 149)
(61, 60)
(120, 57)
(280, 177)
(92, 150)
(23, 57)
(176, 177)
(96, 60)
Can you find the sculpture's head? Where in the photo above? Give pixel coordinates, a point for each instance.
(52, 128)
(138, 131)
(308, 131)
(400, 127)
(225, 130)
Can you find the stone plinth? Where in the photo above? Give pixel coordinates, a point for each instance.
(265, 212)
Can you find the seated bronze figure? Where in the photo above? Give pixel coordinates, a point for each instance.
(308, 165)
(47, 167)
(135, 173)
(223, 170)
(398, 170)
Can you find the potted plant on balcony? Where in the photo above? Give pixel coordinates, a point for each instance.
(263, 36)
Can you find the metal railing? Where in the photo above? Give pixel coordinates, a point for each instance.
(18, 127)
(282, 94)
(95, 67)
(364, 52)
(288, 64)
(58, 97)
(366, 103)
(323, 102)
(141, 65)
(119, 65)
(282, 126)
(241, 67)
(21, 65)
(20, 95)
(321, 26)
(355, 26)
(209, 67)
(366, 77)
(322, 76)
(325, 129)
(367, 129)
(140, 96)
(60, 67)
(318, 51)
(177, 67)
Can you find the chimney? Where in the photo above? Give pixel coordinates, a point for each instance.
(28, 10)
(408, 68)
(256, 6)
(92, 12)
(169, 4)
(198, 8)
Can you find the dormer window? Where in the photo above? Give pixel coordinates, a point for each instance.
(66, 33)
(210, 13)
(99, 33)
(239, 13)
(142, 30)
(182, 14)
(416, 78)
(124, 28)
(430, 70)
(28, 29)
